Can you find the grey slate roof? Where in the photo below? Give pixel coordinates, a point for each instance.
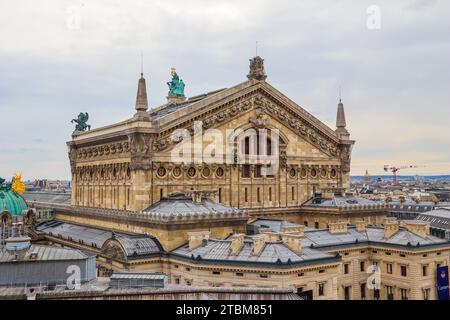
(322, 237)
(48, 197)
(411, 206)
(89, 235)
(179, 205)
(138, 245)
(133, 244)
(276, 225)
(43, 253)
(143, 275)
(439, 218)
(169, 108)
(340, 201)
(272, 252)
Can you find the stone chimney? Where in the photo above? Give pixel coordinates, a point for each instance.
(389, 219)
(259, 242)
(328, 193)
(297, 230)
(197, 239)
(337, 227)
(418, 227)
(237, 242)
(293, 241)
(390, 228)
(361, 225)
(270, 235)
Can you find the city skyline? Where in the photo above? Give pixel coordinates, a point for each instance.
(393, 79)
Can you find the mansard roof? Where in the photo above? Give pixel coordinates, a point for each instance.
(273, 253)
(41, 253)
(132, 244)
(180, 206)
(373, 234)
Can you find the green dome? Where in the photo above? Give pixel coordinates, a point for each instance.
(11, 201)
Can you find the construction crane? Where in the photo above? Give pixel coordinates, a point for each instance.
(394, 170)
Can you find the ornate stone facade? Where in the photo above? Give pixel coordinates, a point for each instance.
(129, 165)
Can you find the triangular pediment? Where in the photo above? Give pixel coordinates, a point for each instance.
(229, 104)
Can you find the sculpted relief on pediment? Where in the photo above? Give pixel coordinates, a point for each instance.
(265, 108)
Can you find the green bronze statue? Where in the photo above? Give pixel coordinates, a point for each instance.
(81, 124)
(176, 85)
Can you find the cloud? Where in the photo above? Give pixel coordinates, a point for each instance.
(394, 80)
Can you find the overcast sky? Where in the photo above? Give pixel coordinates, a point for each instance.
(394, 72)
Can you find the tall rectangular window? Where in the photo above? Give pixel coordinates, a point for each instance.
(270, 193)
(257, 171)
(245, 195)
(424, 271)
(403, 270)
(220, 195)
(426, 294)
(247, 145)
(390, 293)
(389, 268)
(404, 294)
(269, 147)
(346, 268)
(347, 293)
(293, 193)
(363, 291)
(321, 289)
(246, 171)
(362, 266)
(258, 195)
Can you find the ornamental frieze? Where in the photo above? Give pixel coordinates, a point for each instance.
(102, 150)
(106, 172)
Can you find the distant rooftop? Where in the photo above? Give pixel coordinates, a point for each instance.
(48, 197)
(439, 218)
(342, 201)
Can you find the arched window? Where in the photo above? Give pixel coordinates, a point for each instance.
(252, 144)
